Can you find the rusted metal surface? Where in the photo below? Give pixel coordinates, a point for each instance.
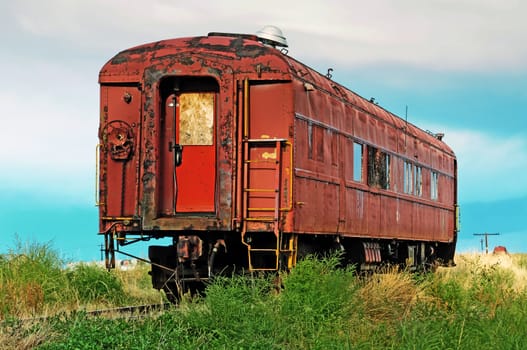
(120, 154)
(329, 119)
(189, 248)
(181, 124)
(220, 59)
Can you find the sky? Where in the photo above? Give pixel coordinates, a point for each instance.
(459, 66)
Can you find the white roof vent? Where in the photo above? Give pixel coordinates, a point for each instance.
(271, 36)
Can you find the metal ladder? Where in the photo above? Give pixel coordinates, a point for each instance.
(264, 247)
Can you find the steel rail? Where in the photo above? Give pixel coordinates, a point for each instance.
(134, 311)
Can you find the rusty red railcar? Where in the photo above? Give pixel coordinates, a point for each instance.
(249, 159)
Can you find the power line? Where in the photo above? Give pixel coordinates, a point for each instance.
(486, 240)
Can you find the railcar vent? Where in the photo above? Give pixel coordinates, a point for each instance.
(272, 36)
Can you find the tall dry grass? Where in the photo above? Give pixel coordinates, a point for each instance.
(389, 296)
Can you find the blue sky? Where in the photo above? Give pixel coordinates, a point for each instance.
(459, 65)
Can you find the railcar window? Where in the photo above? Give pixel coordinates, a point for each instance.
(196, 118)
(408, 178)
(357, 162)
(418, 175)
(433, 185)
(310, 141)
(334, 147)
(378, 168)
(316, 140)
(319, 142)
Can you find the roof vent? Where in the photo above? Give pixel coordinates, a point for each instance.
(271, 36)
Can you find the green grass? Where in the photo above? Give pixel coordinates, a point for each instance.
(32, 279)
(479, 304)
(35, 282)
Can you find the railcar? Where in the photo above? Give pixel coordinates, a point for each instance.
(248, 159)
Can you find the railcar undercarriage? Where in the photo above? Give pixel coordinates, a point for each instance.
(195, 258)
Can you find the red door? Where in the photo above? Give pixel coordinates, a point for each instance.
(188, 154)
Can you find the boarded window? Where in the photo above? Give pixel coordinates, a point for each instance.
(316, 138)
(319, 142)
(196, 119)
(357, 162)
(378, 168)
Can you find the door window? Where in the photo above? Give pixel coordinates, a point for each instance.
(196, 119)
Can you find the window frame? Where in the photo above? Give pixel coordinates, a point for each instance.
(378, 168)
(434, 185)
(358, 150)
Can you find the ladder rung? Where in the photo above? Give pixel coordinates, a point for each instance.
(265, 209)
(273, 161)
(265, 140)
(260, 190)
(263, 250)
(263, 219)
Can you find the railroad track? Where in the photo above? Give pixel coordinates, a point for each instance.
(136, 311)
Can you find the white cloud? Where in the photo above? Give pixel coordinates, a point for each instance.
(490, 167)
(50, 109)
(438, 34)
(49, 132)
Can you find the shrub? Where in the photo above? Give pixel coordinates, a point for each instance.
(31, 278)
(237, 311)
(316, 307)
(95, 285)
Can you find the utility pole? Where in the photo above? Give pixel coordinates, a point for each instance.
(486, 239)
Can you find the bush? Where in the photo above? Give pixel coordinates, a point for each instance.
(31, 278)
(95, 285)
(316, 305)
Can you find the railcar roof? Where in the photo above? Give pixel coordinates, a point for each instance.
(239, 51)
(320, 81)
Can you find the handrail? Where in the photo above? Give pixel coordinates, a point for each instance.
(97, 175)
(246, 108)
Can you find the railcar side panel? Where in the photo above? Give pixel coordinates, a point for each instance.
(393, 211)
(317, 208)
(119, 150)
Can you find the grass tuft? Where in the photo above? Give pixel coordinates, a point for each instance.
(390, 296)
